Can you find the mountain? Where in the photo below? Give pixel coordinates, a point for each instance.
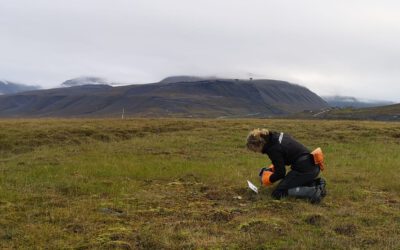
(86, 80)
(352, 102)
(175, 97)
(7, 87)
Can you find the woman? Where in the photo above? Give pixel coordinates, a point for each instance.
(282, 149)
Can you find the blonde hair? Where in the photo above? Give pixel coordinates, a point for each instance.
(256, 139)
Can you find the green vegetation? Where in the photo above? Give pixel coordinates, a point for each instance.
(383, 113)
(171, 183)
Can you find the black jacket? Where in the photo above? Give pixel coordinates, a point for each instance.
(286, 152)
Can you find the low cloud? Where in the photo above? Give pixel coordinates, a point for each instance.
(332, 47)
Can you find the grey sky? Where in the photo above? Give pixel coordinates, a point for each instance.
(332, 47)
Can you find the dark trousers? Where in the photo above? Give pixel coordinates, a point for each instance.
(295, 179)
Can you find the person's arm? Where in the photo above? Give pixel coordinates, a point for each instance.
(279, 165)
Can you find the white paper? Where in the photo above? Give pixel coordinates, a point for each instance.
(252, 186)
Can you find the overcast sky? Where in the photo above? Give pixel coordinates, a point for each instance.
(332, 47)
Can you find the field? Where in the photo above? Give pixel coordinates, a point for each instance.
(175, 183)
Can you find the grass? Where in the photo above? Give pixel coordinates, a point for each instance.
(175, 183)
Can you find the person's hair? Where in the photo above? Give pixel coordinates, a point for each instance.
(256, 139)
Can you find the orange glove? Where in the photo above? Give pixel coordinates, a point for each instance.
(265, 178)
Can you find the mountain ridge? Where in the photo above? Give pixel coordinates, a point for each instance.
(7, 87)
(202, 98)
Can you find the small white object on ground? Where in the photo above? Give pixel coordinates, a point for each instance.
(252, 186)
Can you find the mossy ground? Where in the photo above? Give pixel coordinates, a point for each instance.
(174, 183)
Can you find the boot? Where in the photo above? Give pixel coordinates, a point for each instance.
(322, 185)
(313, 194)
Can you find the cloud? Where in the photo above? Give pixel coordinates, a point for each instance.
(338, 47)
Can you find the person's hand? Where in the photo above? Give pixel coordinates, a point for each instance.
(264, 175)
(264, 178)
(270, 168)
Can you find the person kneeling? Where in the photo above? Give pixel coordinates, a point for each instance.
(282, 149)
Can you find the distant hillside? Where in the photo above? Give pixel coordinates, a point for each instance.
(7, 87)
(204, 98)
(352, 102)
(384, 113)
